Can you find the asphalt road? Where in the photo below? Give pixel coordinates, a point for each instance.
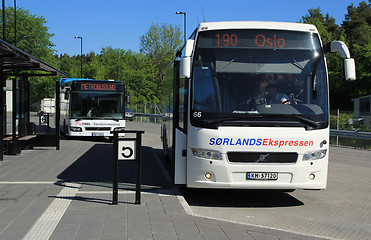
(342, 211)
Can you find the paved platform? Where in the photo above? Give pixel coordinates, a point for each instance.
(67, 194)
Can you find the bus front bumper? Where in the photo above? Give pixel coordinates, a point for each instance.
(301, 175)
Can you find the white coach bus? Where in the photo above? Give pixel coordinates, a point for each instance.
(91, 107)
(251, 107)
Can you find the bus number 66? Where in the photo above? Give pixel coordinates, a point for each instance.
(197, 114)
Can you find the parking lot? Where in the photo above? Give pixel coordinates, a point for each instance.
(339, 212)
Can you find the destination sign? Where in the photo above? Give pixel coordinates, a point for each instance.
(255, 38)
(260, 40)
(98, 86)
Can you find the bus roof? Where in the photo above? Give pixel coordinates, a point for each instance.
(257, 25)
(66, 80)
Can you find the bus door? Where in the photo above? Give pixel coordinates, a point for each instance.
(180, 89)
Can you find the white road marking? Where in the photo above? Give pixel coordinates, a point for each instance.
(47, 222)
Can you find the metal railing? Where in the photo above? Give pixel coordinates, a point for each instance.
(150, 115)
(350, 134)
(147, 113)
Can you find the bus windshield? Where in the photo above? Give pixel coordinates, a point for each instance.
(259, 77)
(93, 104)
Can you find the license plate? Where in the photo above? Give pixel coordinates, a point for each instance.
(262, 176)
(98, 134)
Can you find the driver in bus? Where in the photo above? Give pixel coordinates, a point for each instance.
(91, 112)
(273, 96)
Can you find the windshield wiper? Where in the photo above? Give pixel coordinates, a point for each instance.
(81, 118)
(220, 119)
(229, 63)
(302, 119)
(298, 117)
(111, 118)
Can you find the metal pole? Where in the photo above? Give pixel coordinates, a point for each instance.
(2, 111)
(4, 21)
(185, 29)
(337, 127)
(14, 110)
(81, 57)
(57, 114)
(138, 169)
(15, 23)
(21, 120)
(80, 53)
(115, 169)
(27, 105)
(155, 113)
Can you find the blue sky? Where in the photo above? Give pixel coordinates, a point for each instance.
(120, 23)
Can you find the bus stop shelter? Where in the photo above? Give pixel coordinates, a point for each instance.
(21, 65)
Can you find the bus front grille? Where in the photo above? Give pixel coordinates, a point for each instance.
(97, 128)
(262, 157)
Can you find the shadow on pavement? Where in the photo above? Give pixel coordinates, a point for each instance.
(238, 198)
(95, 167)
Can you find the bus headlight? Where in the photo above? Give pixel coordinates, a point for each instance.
(314, 155)
(207, 154)
(75, 129)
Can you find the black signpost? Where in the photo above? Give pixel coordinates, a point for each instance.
(44, 119)
(127, 149)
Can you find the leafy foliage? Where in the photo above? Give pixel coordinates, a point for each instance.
(356, 33)
(159, 45)
(32, 36)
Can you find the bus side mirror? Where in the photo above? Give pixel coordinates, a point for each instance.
(341, 48)
(349, 69)
(349, 65)
(185, 67)
(127, 99)
(185, 61)
(67, 94)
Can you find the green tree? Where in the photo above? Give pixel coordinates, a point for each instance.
(32, 34)
(126, 66)
(159, 45)
(32, 37)
(357, 27)
(316, 18)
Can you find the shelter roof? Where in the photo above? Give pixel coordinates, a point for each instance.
(13, 61)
